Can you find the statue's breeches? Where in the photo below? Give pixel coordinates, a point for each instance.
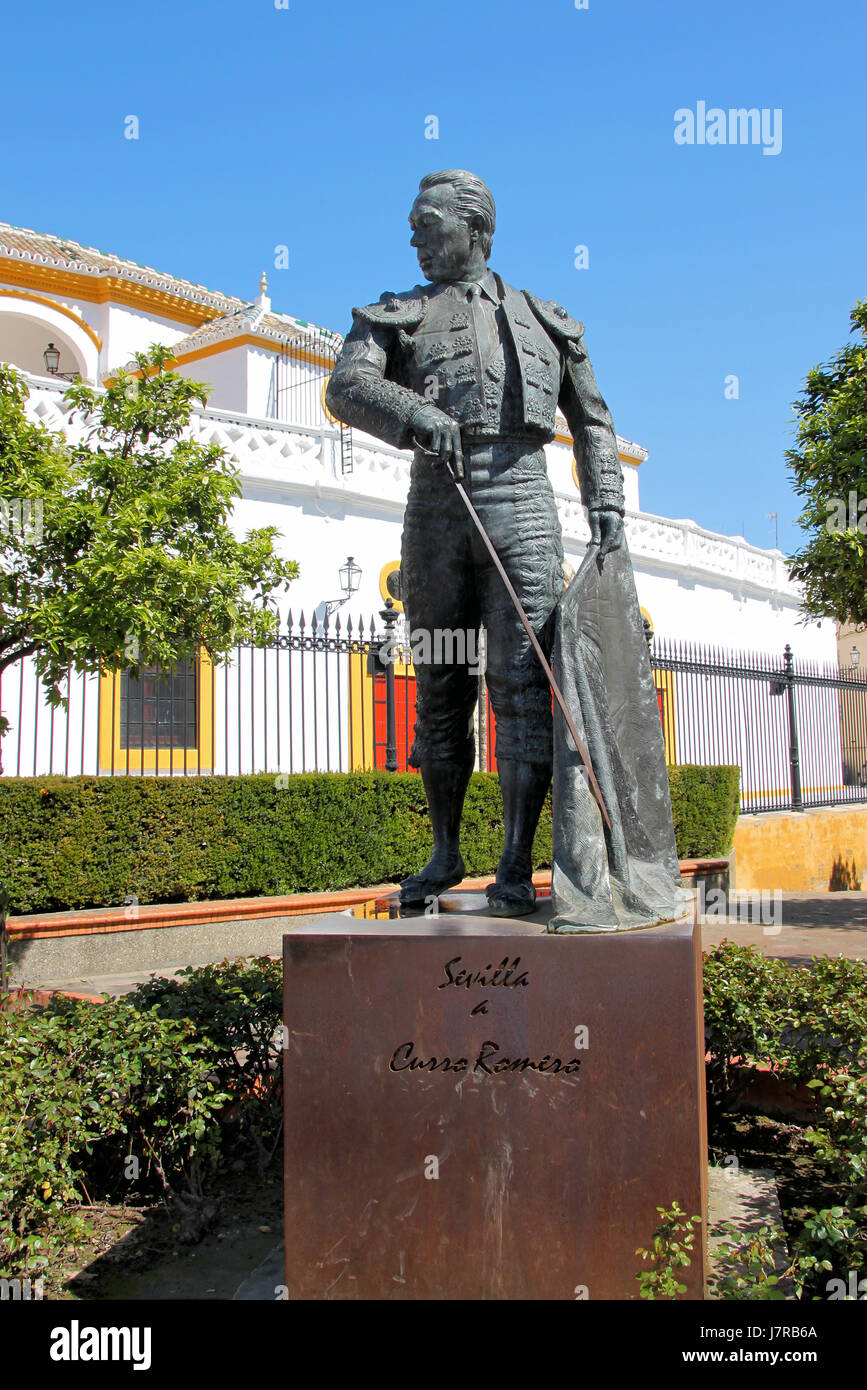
(450, 586)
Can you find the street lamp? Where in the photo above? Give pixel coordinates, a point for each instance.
(855, 656)
(51, 358)
(350, 578)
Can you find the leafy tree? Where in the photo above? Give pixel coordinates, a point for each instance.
(829, 463)
(116, 550)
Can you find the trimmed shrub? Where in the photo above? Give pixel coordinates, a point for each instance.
(94, 841)
(704, 807)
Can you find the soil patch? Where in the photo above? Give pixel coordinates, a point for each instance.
(151, 1252)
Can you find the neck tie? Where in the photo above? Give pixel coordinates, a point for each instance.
(483, 326)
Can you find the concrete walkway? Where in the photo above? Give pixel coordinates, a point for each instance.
(792, 926)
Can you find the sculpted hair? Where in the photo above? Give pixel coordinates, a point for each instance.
(474, 199)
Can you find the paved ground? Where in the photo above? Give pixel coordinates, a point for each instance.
(793, 926)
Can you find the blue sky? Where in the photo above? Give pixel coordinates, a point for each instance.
(305, 126)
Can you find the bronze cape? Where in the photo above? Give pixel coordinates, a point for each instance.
(629, 877)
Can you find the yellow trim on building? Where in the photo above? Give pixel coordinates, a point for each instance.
(104, 289)
(254, 340)
(61, 309)
(387, 569)
(325, 411)
(223, 345)
(112, 757)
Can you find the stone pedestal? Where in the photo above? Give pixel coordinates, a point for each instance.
(477, 1109)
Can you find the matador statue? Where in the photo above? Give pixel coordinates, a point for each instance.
(468, 372)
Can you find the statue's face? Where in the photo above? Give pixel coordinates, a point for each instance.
(445, 241)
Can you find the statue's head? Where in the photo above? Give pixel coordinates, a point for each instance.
(453, 220)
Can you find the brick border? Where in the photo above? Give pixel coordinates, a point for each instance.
(104, 920)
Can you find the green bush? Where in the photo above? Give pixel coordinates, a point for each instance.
(237, 1008)
(672, 1248)
(73, 842)
(744, 998)
(805, 1023)
(174, 1075)
(85, 1089)
(826, 1020)
(704, 807)
(841, 1138)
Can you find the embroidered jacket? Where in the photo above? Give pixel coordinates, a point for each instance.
(421, 348)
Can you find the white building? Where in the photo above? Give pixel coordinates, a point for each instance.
(335, 493)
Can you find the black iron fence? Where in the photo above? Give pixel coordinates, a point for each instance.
(321, 698)
(796, 730)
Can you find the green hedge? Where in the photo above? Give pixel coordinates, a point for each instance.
(704, 806)
(94, 841)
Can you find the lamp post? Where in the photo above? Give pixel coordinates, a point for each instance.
(855, 656)
(350, 578)
(51, 358)
(390, 616)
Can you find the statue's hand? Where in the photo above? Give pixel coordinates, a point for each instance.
(438, 434)
(606, 530)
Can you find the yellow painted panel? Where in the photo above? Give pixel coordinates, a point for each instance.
(360, 714)
(112, 757)
(664, 681)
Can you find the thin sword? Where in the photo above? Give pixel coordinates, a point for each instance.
(558, 694)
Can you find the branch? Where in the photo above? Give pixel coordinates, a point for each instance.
(10, 658)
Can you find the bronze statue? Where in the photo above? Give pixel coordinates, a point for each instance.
(468, 372)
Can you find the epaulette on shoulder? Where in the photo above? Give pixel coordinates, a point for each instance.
(554, 317)
(395, 310)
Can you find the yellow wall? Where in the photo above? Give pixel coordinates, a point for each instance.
(802, 852)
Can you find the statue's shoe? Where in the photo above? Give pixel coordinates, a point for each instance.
(418, 889)
(516, 899)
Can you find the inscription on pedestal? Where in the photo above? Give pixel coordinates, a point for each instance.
(489, 1060)
(479, 1109)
